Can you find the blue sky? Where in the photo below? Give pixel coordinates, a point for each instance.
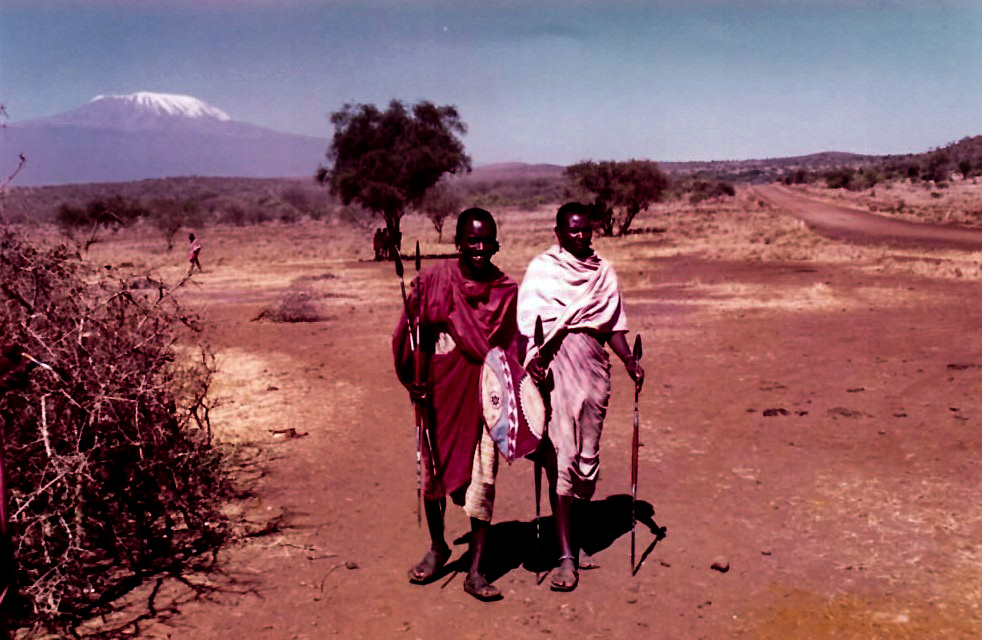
(556, 81)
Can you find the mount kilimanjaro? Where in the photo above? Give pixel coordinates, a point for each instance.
(150, 135)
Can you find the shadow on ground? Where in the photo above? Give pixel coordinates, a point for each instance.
(597, 525)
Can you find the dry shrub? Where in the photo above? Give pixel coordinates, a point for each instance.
(296, 305)
(112, 473)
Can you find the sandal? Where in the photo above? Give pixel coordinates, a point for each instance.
(559, 580)
(478, 586)
(427, 569)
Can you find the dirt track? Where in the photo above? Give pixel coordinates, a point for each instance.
(864, 227)
(813, 424)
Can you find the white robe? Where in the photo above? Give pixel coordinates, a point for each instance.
(581, 297)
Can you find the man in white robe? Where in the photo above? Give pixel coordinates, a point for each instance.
(575, 293)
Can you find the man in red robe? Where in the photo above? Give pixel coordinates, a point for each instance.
(464, 307)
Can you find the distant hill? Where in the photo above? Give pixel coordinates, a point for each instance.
(151, 135)
(514, 171)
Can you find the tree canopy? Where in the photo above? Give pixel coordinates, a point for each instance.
(386, 161)
(629, 186)
(441, 202)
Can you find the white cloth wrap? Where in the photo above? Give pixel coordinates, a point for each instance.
(581, 297)
(569, 293)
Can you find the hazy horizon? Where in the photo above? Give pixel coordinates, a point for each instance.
(553, 82)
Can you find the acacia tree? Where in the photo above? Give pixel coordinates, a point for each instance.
(387, 160)
(114, 211)
(620, 190)
(441, 202)
(169, 215)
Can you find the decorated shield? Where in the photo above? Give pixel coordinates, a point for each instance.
(514, 412)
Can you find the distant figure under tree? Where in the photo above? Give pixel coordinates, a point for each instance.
(378, 244)
(194, 248)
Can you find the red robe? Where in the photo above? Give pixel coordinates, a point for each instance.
(478, 316)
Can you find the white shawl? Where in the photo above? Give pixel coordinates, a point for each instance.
(569, 293)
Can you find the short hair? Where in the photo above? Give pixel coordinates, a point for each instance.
(469, 215)
(569, 209)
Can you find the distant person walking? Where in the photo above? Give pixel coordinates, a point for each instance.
(194, 248)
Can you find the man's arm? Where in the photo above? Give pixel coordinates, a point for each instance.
(618, 343)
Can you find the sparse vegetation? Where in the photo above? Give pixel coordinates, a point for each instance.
(962, 158)
(113, 212)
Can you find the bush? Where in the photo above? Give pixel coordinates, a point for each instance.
(839, 178)
(700, 190)
(114, 211)
(113, 474)
(296, 305)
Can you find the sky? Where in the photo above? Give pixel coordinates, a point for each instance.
(558, 81)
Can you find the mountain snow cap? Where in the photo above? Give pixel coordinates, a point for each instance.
(168, 104)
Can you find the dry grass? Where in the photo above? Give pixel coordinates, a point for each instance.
(739, 228)
(803, 615)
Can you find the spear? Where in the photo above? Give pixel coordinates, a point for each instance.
(539, 338)
(413, 344)
(634, 453)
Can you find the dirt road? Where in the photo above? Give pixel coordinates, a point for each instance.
(861, 226)
(813, 425)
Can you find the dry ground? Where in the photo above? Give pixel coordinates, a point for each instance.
(811, 414)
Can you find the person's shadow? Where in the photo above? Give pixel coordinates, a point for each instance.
(596, 526)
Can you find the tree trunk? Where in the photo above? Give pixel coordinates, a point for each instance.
(628, 219)
(607, 222)
(395, 235)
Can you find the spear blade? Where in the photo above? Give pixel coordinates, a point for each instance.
(637, 347)
(539, 333)
(400, 270)
(418, 264)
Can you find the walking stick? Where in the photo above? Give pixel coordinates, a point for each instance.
(539, 338)
(634, 453)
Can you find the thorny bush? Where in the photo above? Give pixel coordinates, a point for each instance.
(112, 472)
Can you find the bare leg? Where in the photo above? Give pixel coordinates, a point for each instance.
(565, 578)
(476, 584)
(439, 551)
(584, 560)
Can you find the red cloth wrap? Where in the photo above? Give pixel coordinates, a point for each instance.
(478, 316)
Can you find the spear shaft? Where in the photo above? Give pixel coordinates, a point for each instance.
(418, 410)
(538, 338)
(634, 453)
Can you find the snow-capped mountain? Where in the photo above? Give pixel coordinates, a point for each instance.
(151, 135)
(143, 110)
